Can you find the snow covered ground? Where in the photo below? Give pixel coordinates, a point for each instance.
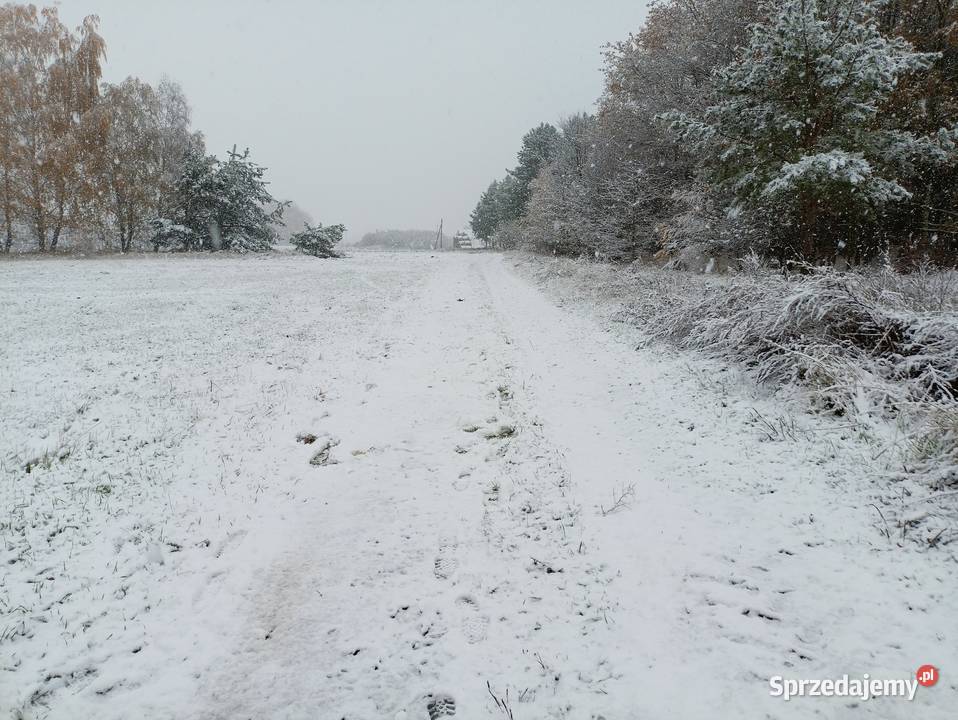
(413, 486)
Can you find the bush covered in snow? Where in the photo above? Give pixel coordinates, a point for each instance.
(876, 347)
(317, 240)
(879, 348)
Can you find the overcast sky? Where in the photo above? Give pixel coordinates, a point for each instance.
(372, 113)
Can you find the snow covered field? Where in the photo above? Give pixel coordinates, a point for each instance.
(412, 486)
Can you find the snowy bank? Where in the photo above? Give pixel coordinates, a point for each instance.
(878, 350)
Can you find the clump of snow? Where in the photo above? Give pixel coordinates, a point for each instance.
(836, 166)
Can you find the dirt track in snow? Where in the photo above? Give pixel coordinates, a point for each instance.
(461, 554)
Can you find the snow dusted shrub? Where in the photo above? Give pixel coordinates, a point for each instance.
(507, 236)
(168, 234)
(318, 241)
(808, 328)
(697, 223)
(879, 348)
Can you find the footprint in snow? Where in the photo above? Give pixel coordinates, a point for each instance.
(475, 625)
(463, 481)
(475, 628)
(440, 706)
(499, 432)
(445, 564)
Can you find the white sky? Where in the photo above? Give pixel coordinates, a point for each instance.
(372, 113)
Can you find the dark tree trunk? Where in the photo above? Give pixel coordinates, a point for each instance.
(41, 230)
(7, 211)
(126, 239)
(130, 230)
(809, 219)
(8, 227)
(61, 213)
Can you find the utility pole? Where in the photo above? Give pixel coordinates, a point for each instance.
(439, 235)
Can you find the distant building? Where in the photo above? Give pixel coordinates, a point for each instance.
(462, 241)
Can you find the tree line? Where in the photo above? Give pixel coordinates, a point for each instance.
(801, 130)
(116, 163)
(400, 239)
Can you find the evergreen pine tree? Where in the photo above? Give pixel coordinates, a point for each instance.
(221, 206)
(485, 217)
(797, 130)
(317, 240)
(539, 147)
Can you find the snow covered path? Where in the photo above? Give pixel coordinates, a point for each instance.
(444, 559)
(460, 551)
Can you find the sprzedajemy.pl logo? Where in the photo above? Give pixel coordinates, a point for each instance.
(864, 688)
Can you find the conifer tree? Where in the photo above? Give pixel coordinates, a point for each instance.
(539, 147)
(485, 217)
(795, 130)
(318, 240)
(221, 206)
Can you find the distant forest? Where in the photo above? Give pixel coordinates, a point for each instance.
(406, 239)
